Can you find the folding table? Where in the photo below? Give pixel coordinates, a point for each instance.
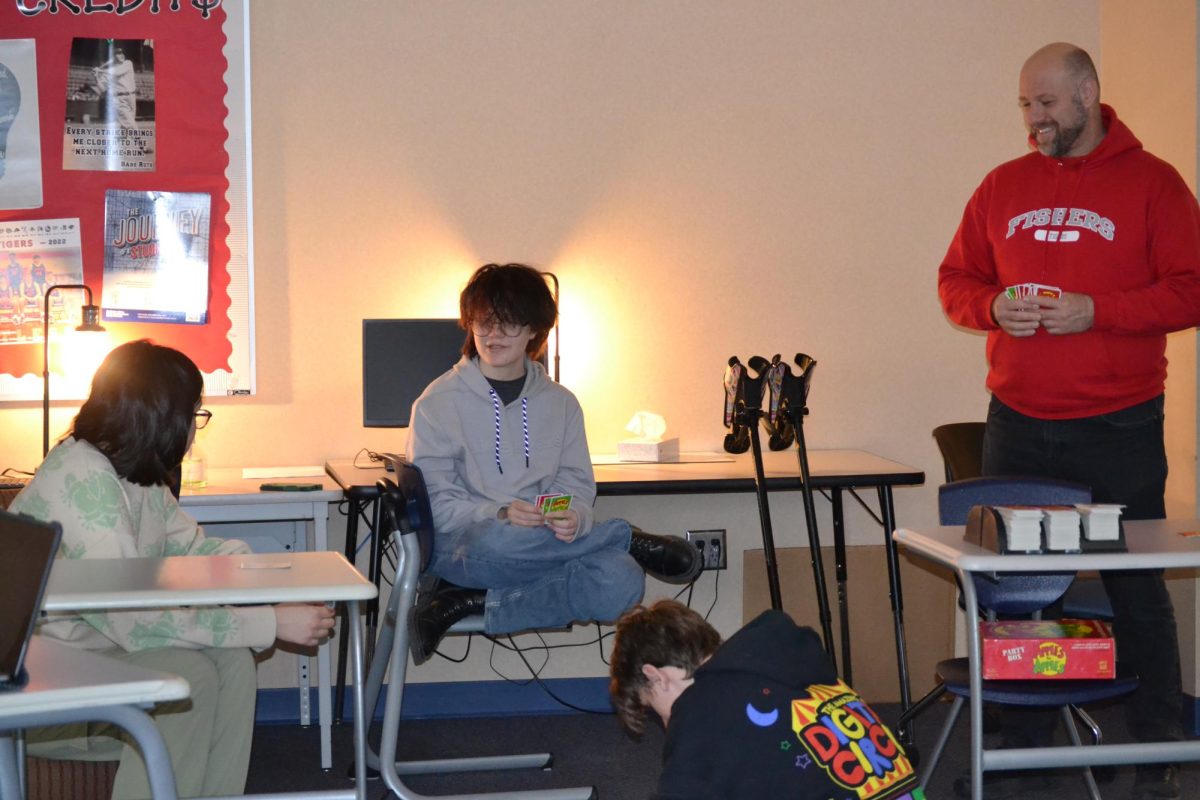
(1152, 544)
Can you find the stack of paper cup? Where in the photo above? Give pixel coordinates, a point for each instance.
(1061, 525)
(1022, 527)
(1101, 521)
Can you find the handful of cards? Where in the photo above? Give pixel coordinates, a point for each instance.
(1024, 291)
(551, 503)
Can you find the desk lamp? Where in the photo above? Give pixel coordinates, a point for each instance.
(90, 323)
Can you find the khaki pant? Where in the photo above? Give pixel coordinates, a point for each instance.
(208, 735)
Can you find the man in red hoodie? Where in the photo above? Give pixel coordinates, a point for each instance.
(1077, 379)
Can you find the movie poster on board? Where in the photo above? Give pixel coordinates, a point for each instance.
(156, 256)
(110, 109)
(20, 132)
(35, 255)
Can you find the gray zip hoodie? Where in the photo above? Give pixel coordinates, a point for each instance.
(477, 455)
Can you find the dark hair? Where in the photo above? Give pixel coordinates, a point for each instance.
(513, 294)
(141, 409)
(667, 634)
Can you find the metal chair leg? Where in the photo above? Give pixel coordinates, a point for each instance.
(1086, 719)
(929, 699)
(943, 737)
(391, 652)
(1073, 735)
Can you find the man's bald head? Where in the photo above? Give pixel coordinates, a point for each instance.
(1070, 58)
(1060, 99)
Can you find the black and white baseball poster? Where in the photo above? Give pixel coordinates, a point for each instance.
(110, 106)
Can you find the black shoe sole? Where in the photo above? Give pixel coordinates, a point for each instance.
(684, 578)
(416, 647)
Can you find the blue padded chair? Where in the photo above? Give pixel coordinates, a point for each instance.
(1011, 594)
(1014, 593)
(961, 446)
(408, 518)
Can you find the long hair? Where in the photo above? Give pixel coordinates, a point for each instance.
(667, 634)
(141, 409)
(513, 294)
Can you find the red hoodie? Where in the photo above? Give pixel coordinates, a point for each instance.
(1118, 224)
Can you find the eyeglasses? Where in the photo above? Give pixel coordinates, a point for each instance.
(492, 327)
(203, 415)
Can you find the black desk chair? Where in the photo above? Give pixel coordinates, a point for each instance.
(961, 446)
(1015, 594)
(407, 516)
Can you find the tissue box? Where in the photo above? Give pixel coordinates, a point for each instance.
(1054, 649)
(641, 450)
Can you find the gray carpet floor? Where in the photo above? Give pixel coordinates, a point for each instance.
(592, 750)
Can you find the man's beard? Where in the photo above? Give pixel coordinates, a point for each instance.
(1066, 137)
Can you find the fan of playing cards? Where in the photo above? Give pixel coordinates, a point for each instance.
(1024, 291)
(550, 503)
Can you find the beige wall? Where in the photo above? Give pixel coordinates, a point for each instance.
(707, 178)
(1160, 95)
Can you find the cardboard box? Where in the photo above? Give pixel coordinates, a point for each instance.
(1055, 649)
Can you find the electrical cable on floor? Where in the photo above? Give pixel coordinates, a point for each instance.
(538, 679)
(460, 659)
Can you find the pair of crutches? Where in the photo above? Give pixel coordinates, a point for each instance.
(786, 393)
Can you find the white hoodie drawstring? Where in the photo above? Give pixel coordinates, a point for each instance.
(524, 426)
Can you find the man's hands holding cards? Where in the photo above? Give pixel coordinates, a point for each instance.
(552, 510)
(1022, 308)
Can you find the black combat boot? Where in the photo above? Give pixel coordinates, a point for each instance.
(434, 613)
(668, 558)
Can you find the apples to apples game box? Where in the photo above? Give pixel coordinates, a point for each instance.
(1028, 649)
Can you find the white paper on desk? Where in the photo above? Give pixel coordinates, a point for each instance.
(604, 459)
(283, 472)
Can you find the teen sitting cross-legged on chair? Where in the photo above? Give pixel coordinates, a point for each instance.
(491, 436)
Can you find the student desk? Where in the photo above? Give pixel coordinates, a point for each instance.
(230, 498)
(68, 685)
(1151, 544)
(251, 579)
(834, 471)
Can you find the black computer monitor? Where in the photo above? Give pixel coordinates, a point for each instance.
(400, 358)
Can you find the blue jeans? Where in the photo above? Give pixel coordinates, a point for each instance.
(536, 581)
(1121, 456)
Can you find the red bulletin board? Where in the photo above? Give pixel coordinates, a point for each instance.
(190, 73)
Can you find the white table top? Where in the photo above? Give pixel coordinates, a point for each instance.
(251, 579)
(226, 486)
(62, 678)
(1150, 543)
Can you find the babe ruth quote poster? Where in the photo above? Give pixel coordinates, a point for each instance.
(110, 106)
(156, 256)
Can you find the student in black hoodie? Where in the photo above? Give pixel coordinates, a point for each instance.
(763, 715)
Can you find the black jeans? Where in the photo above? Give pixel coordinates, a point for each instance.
(1122, 457)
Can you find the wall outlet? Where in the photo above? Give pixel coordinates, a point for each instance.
(711, 544)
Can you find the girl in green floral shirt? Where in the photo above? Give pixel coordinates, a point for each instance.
(107, 485)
